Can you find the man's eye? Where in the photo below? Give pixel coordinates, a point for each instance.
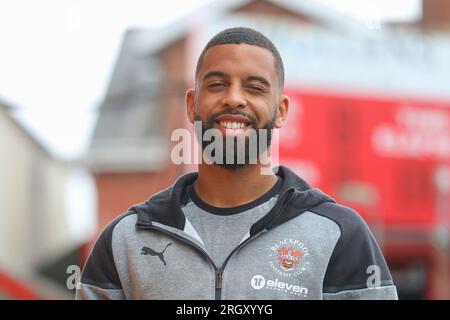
(256, 89)
(216, 85)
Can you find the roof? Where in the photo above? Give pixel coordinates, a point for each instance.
(7, 109)
(127, 126)
(321, 14)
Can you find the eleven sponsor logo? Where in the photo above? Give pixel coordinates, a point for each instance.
(258, 282)
(289, 258)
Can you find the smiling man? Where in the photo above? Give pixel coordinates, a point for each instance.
(229, 231)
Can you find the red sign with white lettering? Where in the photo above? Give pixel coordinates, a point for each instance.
(389, 159)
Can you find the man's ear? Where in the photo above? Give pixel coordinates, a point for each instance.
(190, 104)
(283, 108)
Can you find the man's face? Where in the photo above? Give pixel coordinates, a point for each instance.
(237, 89)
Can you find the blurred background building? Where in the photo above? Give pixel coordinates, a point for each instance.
(369, 124)
(32, 227)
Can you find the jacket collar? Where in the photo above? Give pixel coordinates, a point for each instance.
(296, 197)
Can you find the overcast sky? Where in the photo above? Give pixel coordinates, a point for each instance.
(56, 56)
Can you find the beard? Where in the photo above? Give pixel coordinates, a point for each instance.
(236, 155)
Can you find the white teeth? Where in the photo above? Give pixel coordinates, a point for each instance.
(232, 125)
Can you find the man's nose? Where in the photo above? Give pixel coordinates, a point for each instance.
(234, 97)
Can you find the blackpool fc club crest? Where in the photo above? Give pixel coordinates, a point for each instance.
(289, 257)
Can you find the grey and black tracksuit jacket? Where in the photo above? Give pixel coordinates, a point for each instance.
(306, 247)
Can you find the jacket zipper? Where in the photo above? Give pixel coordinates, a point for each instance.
(283, 203)
(218, 283)
(218, 271)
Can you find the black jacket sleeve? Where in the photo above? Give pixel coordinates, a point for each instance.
(357, 268)
(99, 279)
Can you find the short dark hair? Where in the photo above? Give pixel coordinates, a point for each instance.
(248, 36)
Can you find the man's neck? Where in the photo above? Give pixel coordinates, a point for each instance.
(227, 188)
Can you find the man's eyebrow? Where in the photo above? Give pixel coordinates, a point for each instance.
(214, 74)
(222, 74)
(260, 79)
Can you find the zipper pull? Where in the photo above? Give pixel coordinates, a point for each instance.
(218, 279)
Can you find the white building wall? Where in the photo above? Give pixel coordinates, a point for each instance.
(33, 223)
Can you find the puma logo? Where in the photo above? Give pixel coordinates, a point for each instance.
(150, 251)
